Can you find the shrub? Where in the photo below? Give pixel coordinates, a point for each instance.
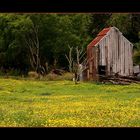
(68, 76)
(55, 77)
(9, 72)
(1, 73)
(13, 72)
(136, 58)
(52, 77)
(33, 74)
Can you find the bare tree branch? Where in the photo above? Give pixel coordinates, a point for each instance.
(32, 42)
(69, 58)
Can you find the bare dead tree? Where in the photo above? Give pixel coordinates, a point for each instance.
(32, 41)
(79, 54)
(70, 59)
(55, 63)
(46, 67)
(80, 64)
(77, 65)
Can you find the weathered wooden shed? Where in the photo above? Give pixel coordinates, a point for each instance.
(110, 53)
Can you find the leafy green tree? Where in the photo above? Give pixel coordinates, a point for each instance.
(136, 55)
(98, 22)
(14, 54)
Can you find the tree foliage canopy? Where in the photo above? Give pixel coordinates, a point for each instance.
(56, 32)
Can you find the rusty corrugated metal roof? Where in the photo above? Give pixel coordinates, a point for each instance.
(99, 37)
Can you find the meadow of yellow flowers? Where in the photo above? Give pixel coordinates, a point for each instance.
(30, 103)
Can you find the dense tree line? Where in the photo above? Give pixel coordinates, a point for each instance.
(40, 42)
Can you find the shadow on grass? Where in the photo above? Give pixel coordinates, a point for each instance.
(45, 94)
(1, 88)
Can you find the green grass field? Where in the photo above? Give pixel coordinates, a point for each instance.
(27, 103)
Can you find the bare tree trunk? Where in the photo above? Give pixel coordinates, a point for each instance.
(46, 67)
(70, 59)
(32, 42)
(79, 56)
(77, 66)
(75, 72)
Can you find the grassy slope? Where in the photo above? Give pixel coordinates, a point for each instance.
(61, 103)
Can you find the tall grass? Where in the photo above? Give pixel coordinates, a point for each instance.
(33, 103)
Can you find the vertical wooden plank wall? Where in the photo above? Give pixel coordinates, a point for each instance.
(108, 54)
(115, 52)
(126, 57)
(97, 62)
(131, 60)
(119, 53)
(123, 57)
(129, 53)
(113, 49)
(90, 63)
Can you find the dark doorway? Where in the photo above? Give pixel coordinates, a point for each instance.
(102, 70)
